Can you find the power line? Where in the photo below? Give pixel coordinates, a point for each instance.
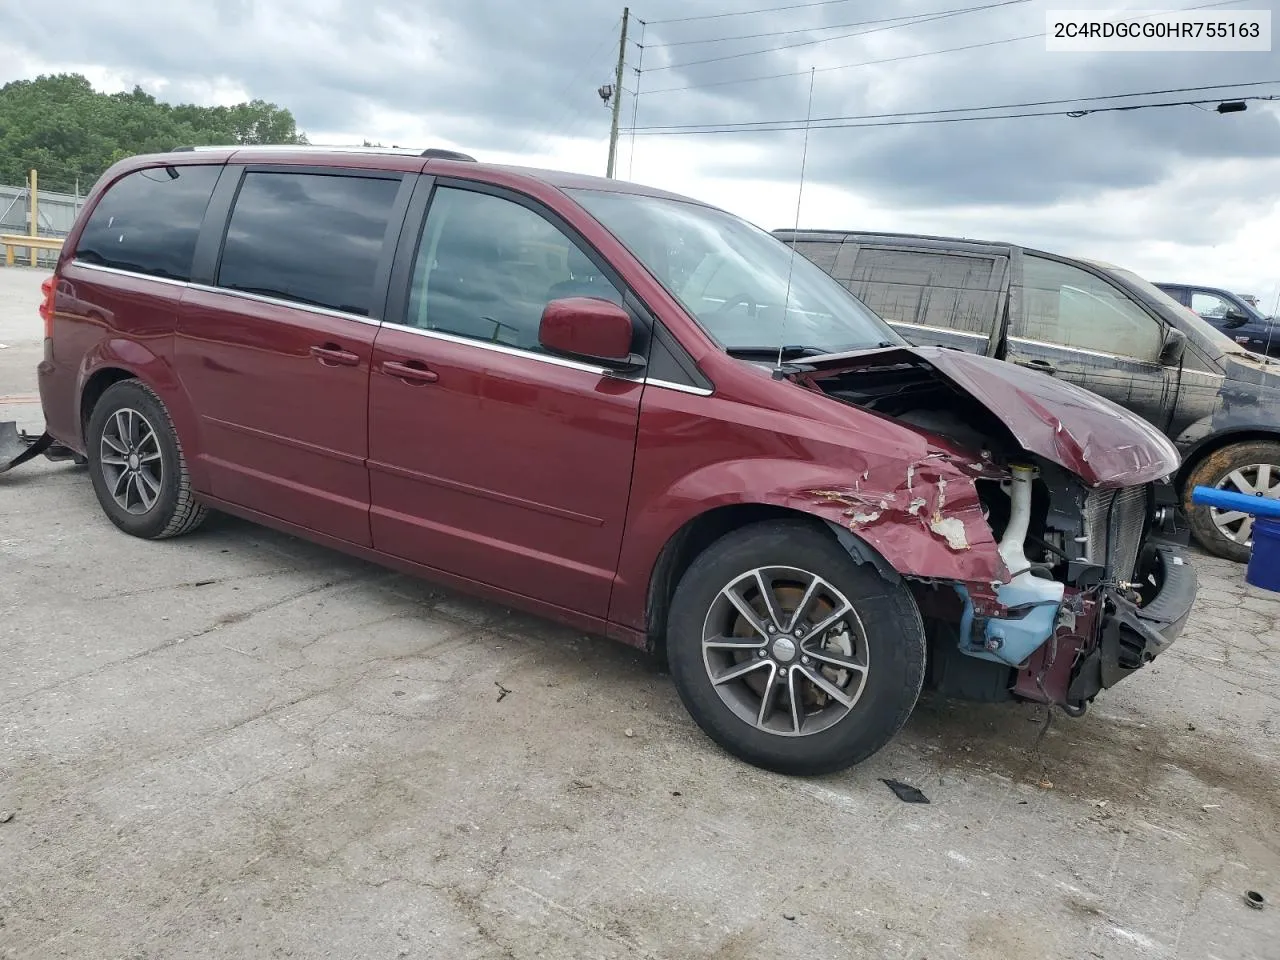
(833, 26)
(635, 101)
(897, 59)
(929, 18)
(791, 125)
(847, 66)
(574, 111)
(995, 106)
(745, 13)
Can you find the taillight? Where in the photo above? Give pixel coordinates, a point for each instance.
(47, 305)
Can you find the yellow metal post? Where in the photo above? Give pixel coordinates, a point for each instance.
(35, 213)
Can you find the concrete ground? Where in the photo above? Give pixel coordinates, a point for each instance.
(236, 744)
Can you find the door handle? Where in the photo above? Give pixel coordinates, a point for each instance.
(332, 355)
(410, 371)
(1044, 366)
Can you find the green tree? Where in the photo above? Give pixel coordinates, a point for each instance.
(70, 132)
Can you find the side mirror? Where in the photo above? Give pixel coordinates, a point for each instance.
(1175, 344)
(589, 329)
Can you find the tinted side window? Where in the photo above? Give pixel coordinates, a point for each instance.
(1210, 306)
(1065, 305)
(487, 267)
(822, 253)
(148, 221)
(957, 291)
(310, 238)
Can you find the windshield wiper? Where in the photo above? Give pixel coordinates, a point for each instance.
(795, 351)
(789, 352)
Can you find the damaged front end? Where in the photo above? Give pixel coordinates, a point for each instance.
(1031, 534)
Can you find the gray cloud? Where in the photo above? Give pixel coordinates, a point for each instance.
(500, 74)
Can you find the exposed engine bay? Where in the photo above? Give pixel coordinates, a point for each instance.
(1076, 559)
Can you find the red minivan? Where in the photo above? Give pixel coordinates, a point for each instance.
(618, 408)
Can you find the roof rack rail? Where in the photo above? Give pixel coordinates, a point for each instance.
(440, 154)
(436, 153)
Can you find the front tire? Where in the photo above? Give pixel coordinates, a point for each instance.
(1251, 468)
(790, 655)
(137, 467)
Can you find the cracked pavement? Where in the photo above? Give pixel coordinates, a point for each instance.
(239, 744)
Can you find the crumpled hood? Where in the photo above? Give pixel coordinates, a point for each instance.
(1099, 441)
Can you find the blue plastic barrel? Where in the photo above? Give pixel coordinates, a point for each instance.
(1264, 559)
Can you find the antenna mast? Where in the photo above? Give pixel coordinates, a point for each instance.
(804, 159)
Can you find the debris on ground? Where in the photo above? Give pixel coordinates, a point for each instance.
(1254, 899)
(629, 732)
(906, 793)
(502, 691)
(6, 816)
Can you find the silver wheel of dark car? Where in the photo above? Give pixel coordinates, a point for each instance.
(1252, 468)
(1254, 480)
(131, 462)
(785, 651)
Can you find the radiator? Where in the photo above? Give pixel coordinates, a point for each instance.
(1114, 520)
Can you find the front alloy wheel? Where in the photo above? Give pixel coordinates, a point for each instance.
(785, 651)
(789, 654)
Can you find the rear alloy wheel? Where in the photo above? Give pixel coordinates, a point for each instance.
(790, 655)
(136, 464)
(1251, 468)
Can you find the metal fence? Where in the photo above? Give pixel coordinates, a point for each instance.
(56, 212)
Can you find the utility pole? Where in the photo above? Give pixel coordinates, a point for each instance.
(35, 211)
(617, 92)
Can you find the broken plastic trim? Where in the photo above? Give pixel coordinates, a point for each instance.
(18, 446)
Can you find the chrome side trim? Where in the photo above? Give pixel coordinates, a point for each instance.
(504, 349)
(129, 273)
(1027, 341)
(947, 330)
(430, 334)
(678, 387)
(279, 302)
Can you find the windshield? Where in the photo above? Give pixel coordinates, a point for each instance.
(739, 282)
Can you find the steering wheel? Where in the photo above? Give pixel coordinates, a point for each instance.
(744, 298)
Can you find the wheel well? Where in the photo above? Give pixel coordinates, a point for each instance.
(94, 388)
(1213, 445)
(691, 540)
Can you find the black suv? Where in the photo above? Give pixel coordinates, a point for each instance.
(1095, 324)
(1231, 313)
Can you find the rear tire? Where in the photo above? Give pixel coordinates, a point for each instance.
(137, 467)
(1256, 463)
(855, 680)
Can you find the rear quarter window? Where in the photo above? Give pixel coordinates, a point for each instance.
(148, 221)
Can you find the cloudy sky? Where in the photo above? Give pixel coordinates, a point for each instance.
(1180, 194)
